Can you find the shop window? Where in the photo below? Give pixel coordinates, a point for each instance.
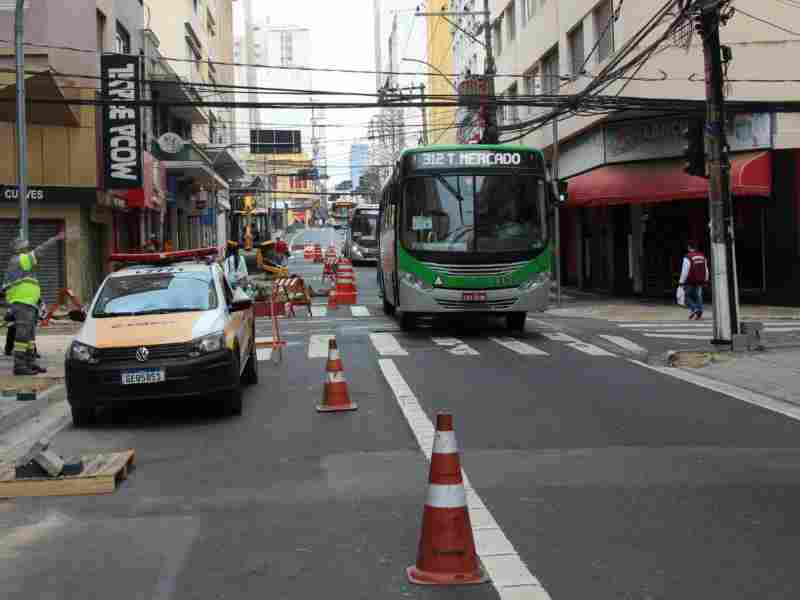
(122, 40)
(550, 73)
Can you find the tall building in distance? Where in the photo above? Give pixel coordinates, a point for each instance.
(359, 160)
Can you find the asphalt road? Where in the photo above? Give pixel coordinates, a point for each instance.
(606, 479)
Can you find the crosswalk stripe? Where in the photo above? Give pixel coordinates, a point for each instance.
(263, 354)
(455, 346)
(519, 347)
(589, 349)
(318, 310)
(387, 345)
(359, 311)
(318, 345)
(561, 337)
(624, 343)
(663, 325)
(659, 324)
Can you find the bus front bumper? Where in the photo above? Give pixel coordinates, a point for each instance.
(532, 299)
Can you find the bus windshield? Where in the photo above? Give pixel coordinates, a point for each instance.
(365, 225)
(474, 213)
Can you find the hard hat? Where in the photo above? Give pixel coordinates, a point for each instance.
(20, 245)
(232, 244)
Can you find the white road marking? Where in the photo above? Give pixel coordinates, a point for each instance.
(359, 311)
(704, 323)
(662, 325)
(519, 347)
(263, 354)
(773, 404)
(624, 343)
(589, 349)
(317, 310)
(509, 575)
(561, 337)
(387, 345)
(318, 346)
(676, 336)
(456, 346)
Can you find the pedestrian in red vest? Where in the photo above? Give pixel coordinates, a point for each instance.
(694, 275)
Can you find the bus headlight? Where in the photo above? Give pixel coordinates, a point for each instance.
(416, 282)
(536, 280)
(357, 251)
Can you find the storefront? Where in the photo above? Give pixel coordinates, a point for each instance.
(632, 209)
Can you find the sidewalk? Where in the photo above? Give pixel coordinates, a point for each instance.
(775, 374)
(596, 306)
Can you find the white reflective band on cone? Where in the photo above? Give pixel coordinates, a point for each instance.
(336, 377)
(445, 442)
(333, 354)
(446, 496)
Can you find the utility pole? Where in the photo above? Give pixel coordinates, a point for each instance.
(723, 259)
(490, 136)
(557, 212)
(22, 129)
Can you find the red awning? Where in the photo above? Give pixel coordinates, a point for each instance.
(664, 181)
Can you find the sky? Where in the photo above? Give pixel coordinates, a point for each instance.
(342, 36)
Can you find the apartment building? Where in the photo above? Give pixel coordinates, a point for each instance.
(188, 49)
(631, 207)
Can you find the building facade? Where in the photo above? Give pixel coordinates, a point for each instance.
(631, 208)
(359, 161)
(441, 81)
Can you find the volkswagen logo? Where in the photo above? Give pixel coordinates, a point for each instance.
(142, 354)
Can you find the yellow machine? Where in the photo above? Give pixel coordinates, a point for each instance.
(248, 207)
(268, 261)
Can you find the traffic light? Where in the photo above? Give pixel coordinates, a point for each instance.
(694, 152)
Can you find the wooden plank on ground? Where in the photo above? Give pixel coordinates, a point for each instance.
(100, 476)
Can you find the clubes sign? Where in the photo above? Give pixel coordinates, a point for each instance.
(121, 122)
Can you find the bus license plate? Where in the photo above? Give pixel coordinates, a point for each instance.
(142, 376)
(473, 296)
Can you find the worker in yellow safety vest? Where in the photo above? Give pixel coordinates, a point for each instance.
(23, 293)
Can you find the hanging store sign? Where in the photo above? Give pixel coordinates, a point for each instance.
(122, 127)
(170, 143)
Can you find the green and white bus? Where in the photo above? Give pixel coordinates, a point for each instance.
(463, 230)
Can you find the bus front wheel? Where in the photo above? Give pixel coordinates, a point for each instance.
(388, 308)
(516, 321)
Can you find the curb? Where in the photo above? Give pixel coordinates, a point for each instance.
(25, 411)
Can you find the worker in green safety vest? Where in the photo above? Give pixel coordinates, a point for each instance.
(23, 293)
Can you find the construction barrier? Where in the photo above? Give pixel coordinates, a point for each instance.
(64, 294)
(446, 554)
(335, 397)
(308, 252)
(318, 253)
(345, 283)
(291, 291)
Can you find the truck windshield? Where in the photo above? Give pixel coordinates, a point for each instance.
(474, 213)
(156, 293)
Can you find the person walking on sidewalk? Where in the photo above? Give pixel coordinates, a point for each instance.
(694, 275)
(23, 293)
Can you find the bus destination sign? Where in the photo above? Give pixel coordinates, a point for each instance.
(459, 159)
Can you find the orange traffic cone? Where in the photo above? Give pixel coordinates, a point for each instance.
(345, 283)
(446, 554)
(335, 396)
(332, 304)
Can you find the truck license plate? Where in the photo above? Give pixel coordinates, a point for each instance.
(473, 296)
(142, 376)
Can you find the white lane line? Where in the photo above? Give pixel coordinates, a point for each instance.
(773, 404)
(456, 346)
(509, 575)
(519, 347)
(624, 343)
(387, 345)
(318, 310)
(263, 354)
(359, 311)
(663, 325)
(676, 336)
(589, 349)
(318, 346)
(668, 324)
